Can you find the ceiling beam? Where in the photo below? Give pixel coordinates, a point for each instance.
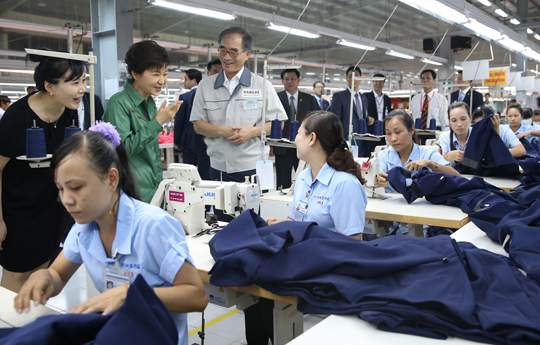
(8, 9)
(458, 32)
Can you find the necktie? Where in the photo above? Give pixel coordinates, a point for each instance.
(293, 109)
(461, 95)
(425, 112)
(358, 105)
(321, 103)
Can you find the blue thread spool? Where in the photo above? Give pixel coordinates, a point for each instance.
(433, 124)
(35, 142)
(418, 124)
(294, 130)
(71, 130)
(378, 130)
(275, 131)
(362, 126)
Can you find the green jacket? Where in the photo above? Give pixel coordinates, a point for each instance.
(134, 118)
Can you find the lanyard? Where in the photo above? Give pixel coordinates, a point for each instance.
(421, 102)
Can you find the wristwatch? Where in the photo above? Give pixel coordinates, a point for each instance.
(436, 166)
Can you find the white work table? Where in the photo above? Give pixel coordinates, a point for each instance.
(504, 183)
(351, 330)
(9, 317)
(394, 208)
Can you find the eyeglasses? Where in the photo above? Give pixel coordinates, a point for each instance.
(232, 53)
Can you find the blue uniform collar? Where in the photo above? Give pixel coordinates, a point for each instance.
(124, 228)
(456, 141)
(414, 156)
(245, 78)
(324, 176)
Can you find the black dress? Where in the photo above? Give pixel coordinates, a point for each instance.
(34, 217)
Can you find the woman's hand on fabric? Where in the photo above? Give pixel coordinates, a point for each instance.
(418, 165)
(455, 155)
(523, 134)
(105, 303)
(381, 180)
(166, 114)
(271, 220)
(38, 288)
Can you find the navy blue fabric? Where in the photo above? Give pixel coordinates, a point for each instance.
(486, 154)
(143, 319)
(531, 171)
(430, 287)
(184, 134)
(524, 247)
(532, 149)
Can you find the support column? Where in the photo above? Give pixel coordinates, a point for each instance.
(112, 35)
(521, 60)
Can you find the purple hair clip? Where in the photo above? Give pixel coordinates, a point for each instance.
(107, 130)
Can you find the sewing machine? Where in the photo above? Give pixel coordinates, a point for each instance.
(185, 196)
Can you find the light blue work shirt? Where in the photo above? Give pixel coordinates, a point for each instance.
(336, 200)
(149, 242)
(525, 128)
(508, 137)
(389, 159)
(444, 143)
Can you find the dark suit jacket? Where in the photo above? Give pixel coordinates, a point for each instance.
(306, 103)
(184, 133)
(340, 106)
(478, 99)
(99, 109)
(326, 104)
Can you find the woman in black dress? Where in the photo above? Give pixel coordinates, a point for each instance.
(32, 220)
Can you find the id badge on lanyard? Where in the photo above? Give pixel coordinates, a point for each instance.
(302, 206)
(114, 275)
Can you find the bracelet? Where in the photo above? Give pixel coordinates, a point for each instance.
(436, 166)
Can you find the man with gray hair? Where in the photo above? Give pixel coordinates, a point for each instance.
(227, 110)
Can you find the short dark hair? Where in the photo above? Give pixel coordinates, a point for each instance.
(527, 113)
(406, 119)
(433, 74)
(536, 112)
(481, 112)
(52, 69)
(456, 105)
(515, 106)
(247, 40)
(379, 75)
(30, 87)
(101, 155)
(317, 82)
(351, 68)
(513, 100)
(5, 99)
(487, 94)
(288, 71)
(194, 74)
(212, 62)
(144, 55)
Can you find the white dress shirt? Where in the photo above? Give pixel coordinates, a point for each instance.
(437, 107)
(233, 83)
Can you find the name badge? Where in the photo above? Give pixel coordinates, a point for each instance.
(250, 104)
(302, 207)
(114, 275)
(251, 93)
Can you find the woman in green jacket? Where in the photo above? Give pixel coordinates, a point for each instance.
(136, 117)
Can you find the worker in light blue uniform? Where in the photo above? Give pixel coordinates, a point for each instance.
(406, 153)
(330, 191)
(459, 119)
(508, 137)
(117, 237)
(517, 126)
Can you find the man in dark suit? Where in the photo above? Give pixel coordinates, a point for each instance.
(296, 104)
(318, 91)
(379, 105)
(184, 134)
(463, 93)
(341, 104)
(84, 111)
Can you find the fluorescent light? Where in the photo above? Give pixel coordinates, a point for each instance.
(400, 55)
(482, 30)
(286, 29)
(501, 13)
(485, 2)
(515, 21)
(193, 10)
(22, 71)
(438, 10)
(537, 36)
(529, 31)
(431, 62)
(336, 79)
(531, 54)
(511, 44)
(337, 74)
(310, 73)
(514, 64)
(459, 68)
(354, 45)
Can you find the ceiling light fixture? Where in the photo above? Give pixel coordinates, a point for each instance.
(509, 43)
(438, 10)
(529, 31)
(354, 45)
(501, 13)
(515, 21)
(459, 68)
(482, 30)
(399, 55)
(485, 2)
(537, 36)
(431, 62)
(22, 71)
(193, 10)
(531, 54)
(296, 32)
